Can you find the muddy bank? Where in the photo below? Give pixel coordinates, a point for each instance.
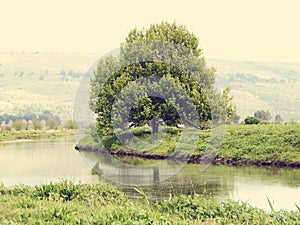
(196, 159)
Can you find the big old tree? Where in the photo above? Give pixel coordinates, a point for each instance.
(158, 75)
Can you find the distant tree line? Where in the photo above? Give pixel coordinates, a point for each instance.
(46, 115)
(31, 121)
(263, 117)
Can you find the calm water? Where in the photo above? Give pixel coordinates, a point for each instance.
(37, 162)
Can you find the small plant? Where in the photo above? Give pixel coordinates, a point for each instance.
(65, 191)
(271, 204)
(143, 194)
(297, 207)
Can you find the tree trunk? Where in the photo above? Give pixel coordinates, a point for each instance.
(154, 124)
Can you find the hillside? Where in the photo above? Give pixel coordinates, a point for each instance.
(33, 82)
(40, 81)
(262, 86)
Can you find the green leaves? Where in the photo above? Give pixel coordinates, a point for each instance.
(159, 73)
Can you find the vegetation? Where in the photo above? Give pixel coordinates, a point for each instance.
(33, 83)
(261, 85)
(45, 115)
(66, 203)
(31, 126)
(251, 120)
(263, 115)
(262, 142)
(32, 134)
(254, 142)
(278, 119)
(168, 80)
(29, 121)
(252, 83)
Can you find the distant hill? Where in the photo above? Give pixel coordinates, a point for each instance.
(256, 86)
(33, 82)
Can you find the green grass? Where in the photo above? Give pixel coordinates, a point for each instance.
(262, 142)
(66, 203)
(254, 142)
(32, 134)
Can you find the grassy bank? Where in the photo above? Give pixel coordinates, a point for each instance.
(66, 203)
(262, 142)
(251, 142)
(32, 134)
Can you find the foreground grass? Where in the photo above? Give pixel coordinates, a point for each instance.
(66, 203)
(32, 134)
(253, 142)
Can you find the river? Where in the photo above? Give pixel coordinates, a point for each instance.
(52, 160)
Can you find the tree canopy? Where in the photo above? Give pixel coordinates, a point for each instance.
(158, 76)
(263, 115)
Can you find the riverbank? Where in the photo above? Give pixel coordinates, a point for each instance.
(242, 145)
(66, 203)
(9, 136)
(197, 159)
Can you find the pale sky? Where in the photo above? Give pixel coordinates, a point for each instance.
(258, 30)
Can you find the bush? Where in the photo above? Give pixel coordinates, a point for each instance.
(110, 142)
(37, 125)
(53, 124)
(19, 125)
(251, 120)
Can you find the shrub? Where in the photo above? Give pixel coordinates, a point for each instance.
(19, 125)
(251, 120)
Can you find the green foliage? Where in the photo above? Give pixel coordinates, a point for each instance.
(271, 82)
(31, 134)
(164, 59)
(52, 124)
(19, 125)
(262, 142)
(271, 204)
(48, 116)
(141, 131)
(66, 191)
(37, 125)
(67, 203)
(251, 120)
(173, 130)
(111, 142)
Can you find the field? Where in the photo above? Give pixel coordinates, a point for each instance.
(66, 203)
(48, 81)
(262, 142)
